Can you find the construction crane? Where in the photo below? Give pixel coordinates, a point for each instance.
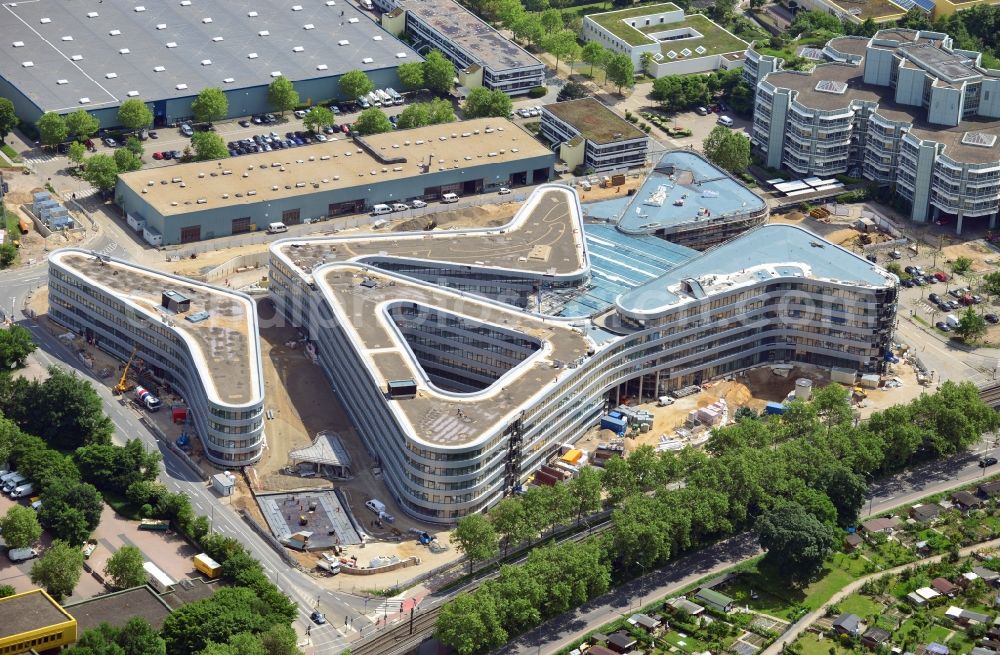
(122, 385)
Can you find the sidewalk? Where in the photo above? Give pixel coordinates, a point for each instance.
(802, 624)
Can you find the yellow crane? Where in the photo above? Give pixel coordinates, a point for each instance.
(122, 385)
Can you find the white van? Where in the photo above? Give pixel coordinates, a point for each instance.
(276, 228)
(449, 197)
(400, 207)
(376, 506)
(21, 554)
(725, 121)
(23, 490)
(16, 481)
(381, 209)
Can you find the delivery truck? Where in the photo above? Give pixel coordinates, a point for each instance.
(207, 565)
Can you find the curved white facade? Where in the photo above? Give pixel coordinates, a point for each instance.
(497, 390)
(211, 360)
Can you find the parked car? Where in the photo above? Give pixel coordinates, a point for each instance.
(977, 300)
(908, 284)
(943, 277)
(176, 154)
(418, 204)
(944, 327)
(186, 129)
(992, 318)
(503, 191)
(400, 207)
(987, 461)
(702, 111)
(244, 123)
(153, 134)
(299, 113)
(895, 254)
(157, 156)
(725, 121)
(911, 270)
(109, 142)
(345, 128)
(318, 618)
(934, 298)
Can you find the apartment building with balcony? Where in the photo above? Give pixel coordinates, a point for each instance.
(460, 394)
(590, 135)
(196, 339)
(482, 56)
(904, 108)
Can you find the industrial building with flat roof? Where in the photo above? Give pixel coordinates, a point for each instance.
(119, 607)
(200, 340)
(32, 620)
(461, 386)
(905, 109)
(62, 56)
(482, 56)
(592, 136)
(679, 44)
(202, 200)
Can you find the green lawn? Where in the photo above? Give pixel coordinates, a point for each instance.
(863, 606)
(121, 505)
(10, 152)
(823, 589)
(687, 644)
(812, 645)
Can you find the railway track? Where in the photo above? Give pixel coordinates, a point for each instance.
(990, 394)
(407, 632)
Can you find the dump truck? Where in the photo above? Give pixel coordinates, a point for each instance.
(159, 525)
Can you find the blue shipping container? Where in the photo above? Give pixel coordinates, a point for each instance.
(774, 408)
(616, 425)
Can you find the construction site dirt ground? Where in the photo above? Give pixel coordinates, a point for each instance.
(754, 389)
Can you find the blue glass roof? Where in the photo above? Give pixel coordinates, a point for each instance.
(681, 188)
(620, 262)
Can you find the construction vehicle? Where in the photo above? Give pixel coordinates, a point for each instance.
(123, 384)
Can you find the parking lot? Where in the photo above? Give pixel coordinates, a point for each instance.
(167, 550)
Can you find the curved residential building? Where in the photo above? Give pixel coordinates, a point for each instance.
(904, 108)
(198, 339)
(461, 395)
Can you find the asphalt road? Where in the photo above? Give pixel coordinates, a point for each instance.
(897, 491)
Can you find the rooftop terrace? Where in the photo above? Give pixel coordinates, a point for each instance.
(682, 177)
(107, 52)
(28, 611)
(438, 417)
(338, 164)
(223, 344)
(594, 121)
(768, 252)
(472, 34)
(117, 608)
(543, 237)
(714, 38)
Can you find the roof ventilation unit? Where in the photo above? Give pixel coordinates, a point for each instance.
(275, 73)
(132, 94)
(84, 101)
(77, 57)
(92, 14)
(27, 64)
(159, 69)
(124, 51)
(45, 21)
(252, 55)
(252, 14)
(61, 82)
(263, 33)
(161, 26)
(298, 48)
(308, 26)
(181, 87)
(111, 76)
(352, 20)
(343, 42)
(217, 38)
(400, 55)
(322, 67)
(172, 44)
(18, 44)
(206, 62)
(114, 32)
(206, 20)
(228, 80)
(367, 60)
(140, 9)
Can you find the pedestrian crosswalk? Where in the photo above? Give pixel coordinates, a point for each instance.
(37, 157)
(81, 195)
(388, 607)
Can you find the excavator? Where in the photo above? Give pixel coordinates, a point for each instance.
(123, 384)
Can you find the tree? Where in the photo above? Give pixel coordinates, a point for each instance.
(510, 522)
(552, 20)
(727, 149)
(210, 105)
(8, 253)
(416, 115)
(15, 346)
(208, 145)
(796, 541)
(475, 537)
(81, 124)
(593, 53)
(372, 121)
(961, 265)
(991, 283)
(230, 611)
(439, 73)
(646, 61)
(135, 145)
(411, 75)
(560, 44)
(71, 510)
(483, 102)
(620, 70)
(64, 410)
(124, 568)
(100, 170)
(77, 153)
(317, 118)
(59, 569)
(508, 11)
(19, 527)
(281, 94)
(127, 161)
(528, 28)
(354, 84)
(136, 637)
(52, 129)
(470, 624)
(134, 114)
(572, 91)
(8, 118)
(441, 111)
(117, 468)
(971, 326)
(585, 491)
